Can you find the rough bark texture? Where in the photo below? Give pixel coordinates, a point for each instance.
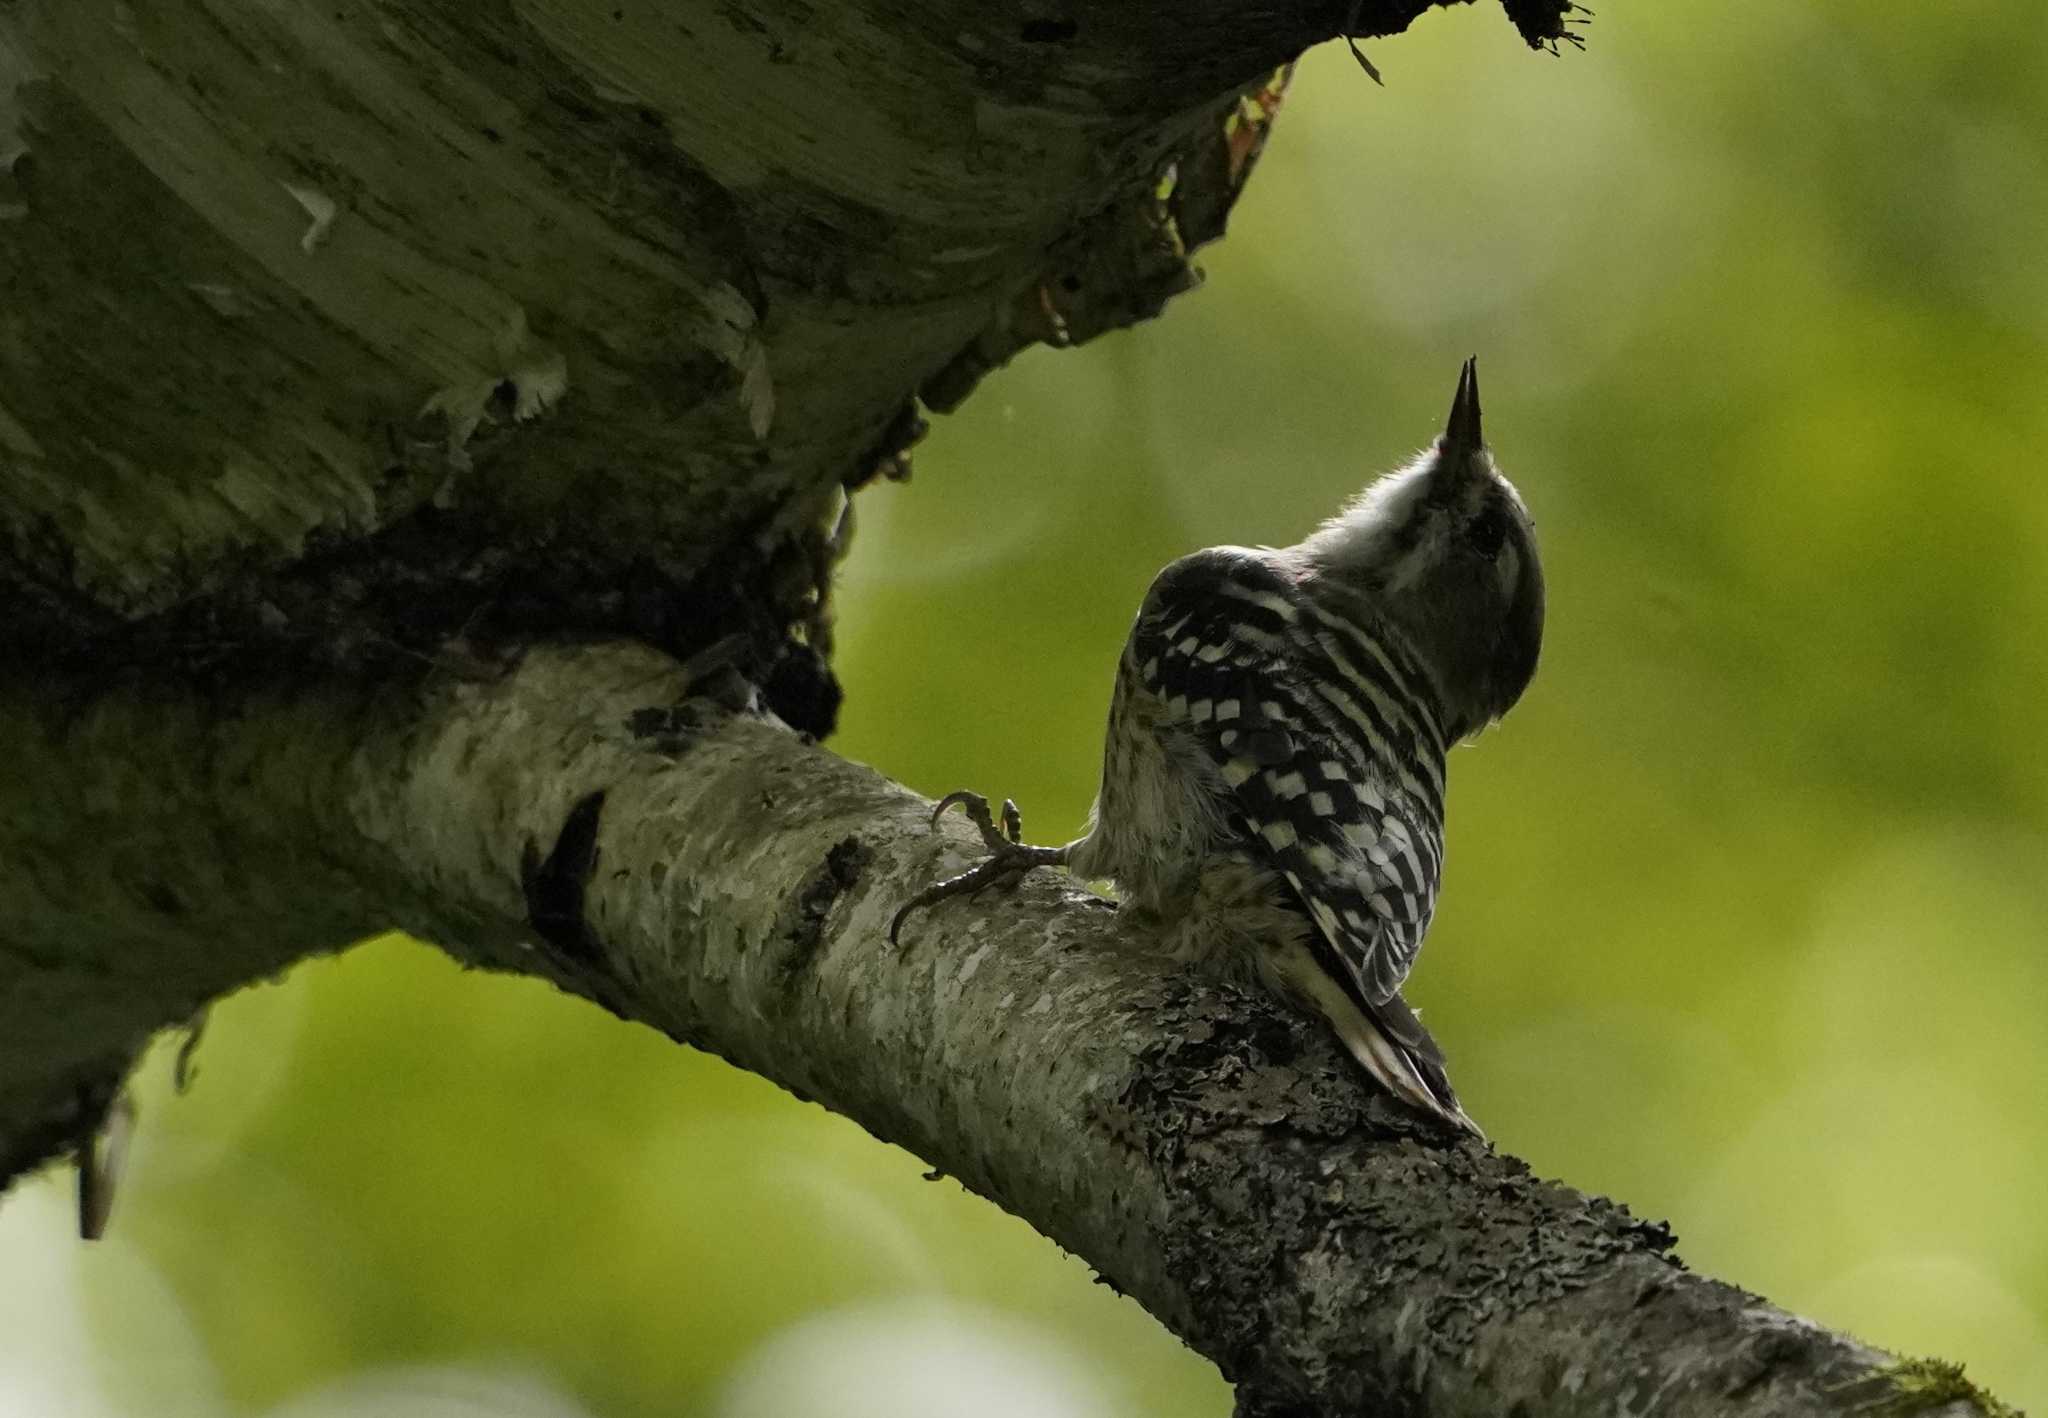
(723, 881)
(354, 354)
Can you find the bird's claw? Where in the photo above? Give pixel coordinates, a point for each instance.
(1009, 858)
(975, 805)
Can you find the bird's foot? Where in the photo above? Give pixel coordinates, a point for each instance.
(1009, 857)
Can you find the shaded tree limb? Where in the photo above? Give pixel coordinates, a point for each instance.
(341, 330)
(716, 877)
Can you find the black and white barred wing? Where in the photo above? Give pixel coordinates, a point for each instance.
(1333, 768)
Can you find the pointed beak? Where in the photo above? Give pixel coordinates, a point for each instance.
(1462, 431)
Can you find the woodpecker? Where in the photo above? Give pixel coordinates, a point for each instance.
(1272, 797)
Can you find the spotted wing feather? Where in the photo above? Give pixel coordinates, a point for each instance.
(1328, 773)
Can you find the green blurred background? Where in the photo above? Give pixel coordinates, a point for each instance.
(1746, 903)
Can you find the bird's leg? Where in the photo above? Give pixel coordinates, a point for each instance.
(1009, 858)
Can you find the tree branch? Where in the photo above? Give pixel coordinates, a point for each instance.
(719, 879)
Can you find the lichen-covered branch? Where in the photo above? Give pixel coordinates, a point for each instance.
(719, 879)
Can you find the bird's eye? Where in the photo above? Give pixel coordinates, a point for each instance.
(1487, 531)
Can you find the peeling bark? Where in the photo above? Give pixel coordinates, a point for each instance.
(719, 879)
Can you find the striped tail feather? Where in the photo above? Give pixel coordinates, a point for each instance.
(1402, 1026)
(1387, 1039)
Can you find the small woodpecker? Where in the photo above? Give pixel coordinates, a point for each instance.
(1272, 795)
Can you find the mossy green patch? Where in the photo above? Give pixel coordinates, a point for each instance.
(1922, 1385)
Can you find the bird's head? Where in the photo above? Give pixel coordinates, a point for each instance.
(1444, 550)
